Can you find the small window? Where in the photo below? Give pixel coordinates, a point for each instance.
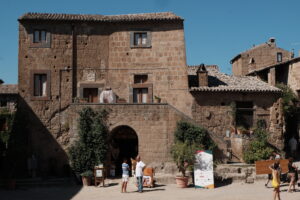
(244, 114)
(140, 95)
(40, 85)
(3, 103)
(140, 78)
(39, 36)
(279, 57)
(140, 39)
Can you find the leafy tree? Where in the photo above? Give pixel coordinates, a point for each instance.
(91, 147)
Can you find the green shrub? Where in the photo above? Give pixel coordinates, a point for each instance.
(188, 139)
(91, 147)
(258, 148)
(88, 173)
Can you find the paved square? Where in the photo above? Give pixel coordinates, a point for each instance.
(235, 191)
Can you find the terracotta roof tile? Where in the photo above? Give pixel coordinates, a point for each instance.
(100, 18)
(220, 82)
(9, 89)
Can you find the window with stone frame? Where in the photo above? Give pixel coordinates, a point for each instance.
(140, 39)
(244, 114)
(279, 57)
(39, 37)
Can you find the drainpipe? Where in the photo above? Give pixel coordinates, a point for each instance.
(74, 62)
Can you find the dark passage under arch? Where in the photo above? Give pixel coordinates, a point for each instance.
(123, 144)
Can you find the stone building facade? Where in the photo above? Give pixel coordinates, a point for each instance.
(227, 103)
(66, 62)
(259, 57)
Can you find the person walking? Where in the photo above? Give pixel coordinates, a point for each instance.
(292, 175)
(275, 168)
(269, 175)
(125, 175)
(139, 173)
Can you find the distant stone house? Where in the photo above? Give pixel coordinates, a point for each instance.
(259, 57)
(274, 66)
(67, 62)
(251, 100)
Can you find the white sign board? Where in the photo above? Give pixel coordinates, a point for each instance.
(203, 169)
(99, 173)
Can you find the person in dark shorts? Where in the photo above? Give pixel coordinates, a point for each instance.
(292, 175)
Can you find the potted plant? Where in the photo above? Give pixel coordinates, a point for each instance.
(184, 155)
(87, 177)
(157, 99)
(188, 139)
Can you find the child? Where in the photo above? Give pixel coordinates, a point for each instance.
(125, 175)
(276, 179)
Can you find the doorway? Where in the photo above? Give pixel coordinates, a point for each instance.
(123, 144)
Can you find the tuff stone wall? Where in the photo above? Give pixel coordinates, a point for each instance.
(98, 55)
(263, 55)
(294, 76)
(215, 114)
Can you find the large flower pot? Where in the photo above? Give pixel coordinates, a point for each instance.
(86, 180)
(181, 181)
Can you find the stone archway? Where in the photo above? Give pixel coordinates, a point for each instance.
(123, 144)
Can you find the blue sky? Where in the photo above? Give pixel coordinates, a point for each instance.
(215, 30)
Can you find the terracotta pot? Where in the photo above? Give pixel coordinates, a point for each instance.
(182, 182)
(86, 180)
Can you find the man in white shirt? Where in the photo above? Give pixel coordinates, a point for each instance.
(139, 173)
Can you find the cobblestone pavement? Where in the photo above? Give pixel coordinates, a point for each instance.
(235, 191)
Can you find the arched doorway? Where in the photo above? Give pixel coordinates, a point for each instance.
(123, 144)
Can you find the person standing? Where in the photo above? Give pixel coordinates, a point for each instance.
(139, 173)
(292, 174)
(125, 175)
(276, 179)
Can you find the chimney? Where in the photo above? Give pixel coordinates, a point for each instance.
(272, 41)
(202, 76)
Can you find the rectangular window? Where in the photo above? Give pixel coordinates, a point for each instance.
(140, 39)
(140, 78)
(40, 85)
(91, 95)
(244, 114)
(279, 57)
(140, 95)
(39, 36)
